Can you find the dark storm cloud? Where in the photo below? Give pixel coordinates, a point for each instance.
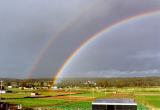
(25, 26)
(117, 73)
(104, 13)
(130, 50)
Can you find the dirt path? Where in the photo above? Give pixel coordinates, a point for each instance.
(74, 98)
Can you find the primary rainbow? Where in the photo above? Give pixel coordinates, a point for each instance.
(98, 34)
(51, 40)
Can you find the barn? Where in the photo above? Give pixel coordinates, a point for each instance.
(114, 104)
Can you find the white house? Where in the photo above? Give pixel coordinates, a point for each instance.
(2, 91)
(9, 87)
(55, 88)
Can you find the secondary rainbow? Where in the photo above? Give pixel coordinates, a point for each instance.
(98, 34)
(60, 32)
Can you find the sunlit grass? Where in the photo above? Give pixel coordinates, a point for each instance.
(35, 102)
(50, 98)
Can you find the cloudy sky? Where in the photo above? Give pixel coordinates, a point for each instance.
(37, 36)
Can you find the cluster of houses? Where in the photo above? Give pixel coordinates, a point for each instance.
(89, 82)
(4, 89)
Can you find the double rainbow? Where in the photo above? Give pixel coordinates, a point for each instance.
(100, 33)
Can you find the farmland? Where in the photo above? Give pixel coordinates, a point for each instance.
(74, 98)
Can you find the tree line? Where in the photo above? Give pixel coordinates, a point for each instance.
(112, 82)
(86, 82)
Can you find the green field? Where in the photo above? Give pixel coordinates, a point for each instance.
(36, 102)
(147, 98)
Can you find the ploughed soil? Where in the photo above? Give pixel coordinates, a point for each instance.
(67, 93)
(68, 96)
(74, 98)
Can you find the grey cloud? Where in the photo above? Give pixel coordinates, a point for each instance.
(145, 55)
(118, 73)
(113, 50)
(25, 26)
(104, 13)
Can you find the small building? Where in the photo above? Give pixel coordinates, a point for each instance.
(34, 94)
(55, 88)
(45, 87)
(9, 87)
(114, 104)
(2, 91)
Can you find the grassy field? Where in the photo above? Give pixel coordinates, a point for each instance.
(147, 98)
(36, 102)
(152, 101)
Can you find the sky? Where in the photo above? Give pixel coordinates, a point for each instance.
(27, 27)
(129, 50)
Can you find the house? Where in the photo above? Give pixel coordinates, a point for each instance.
(2, 91)
(114, 104)
(34, 94)
(55, 88)
(45, 87)
(9, 87)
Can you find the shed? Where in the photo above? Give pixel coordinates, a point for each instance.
(34, 94)
(2, 91)
(114, 104)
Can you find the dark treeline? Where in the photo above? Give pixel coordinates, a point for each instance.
(112, 82)
(86, 82)
(27, 82)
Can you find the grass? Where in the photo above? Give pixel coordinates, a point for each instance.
(75, 106)
(142, 107)
(144, 96)
(14, 95)
(153, 101)
(35, 102)
(92, 94)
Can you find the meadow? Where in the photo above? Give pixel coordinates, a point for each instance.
(81, 98)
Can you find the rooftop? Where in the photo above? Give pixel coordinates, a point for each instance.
(114, 102)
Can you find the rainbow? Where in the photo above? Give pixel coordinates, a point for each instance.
(51, 40)
(101, 32)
